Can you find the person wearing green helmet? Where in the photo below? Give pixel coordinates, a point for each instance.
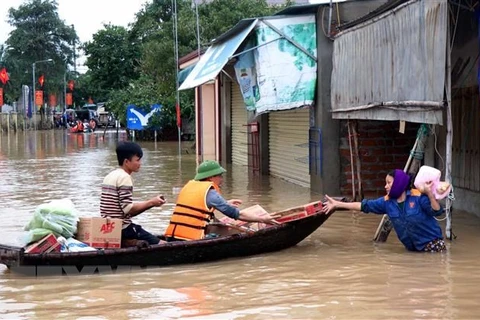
(198, 200)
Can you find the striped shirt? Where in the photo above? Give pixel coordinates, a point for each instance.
(117, 193)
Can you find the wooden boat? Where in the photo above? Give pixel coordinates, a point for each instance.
(234, 241)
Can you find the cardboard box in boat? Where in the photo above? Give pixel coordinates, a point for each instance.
(45, 245)
(286, 215)
(256, 210)
(300, 212)
(100, 232)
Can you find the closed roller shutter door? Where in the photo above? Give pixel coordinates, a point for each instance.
(239, 128)
(288, 143)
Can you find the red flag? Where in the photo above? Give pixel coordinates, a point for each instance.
(71, 85)
(39, 97)
(4, 76)
(41, 80)
(1, 96)
(69, 99)
(179, 116)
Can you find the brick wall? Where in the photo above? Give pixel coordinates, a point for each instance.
(381, 148)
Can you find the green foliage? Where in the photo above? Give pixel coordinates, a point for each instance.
(153, 31)
(38, 34)
(219, 16)
(134, 65)
(112, 60)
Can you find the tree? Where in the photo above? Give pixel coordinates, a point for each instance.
(112, 60)
(151, 37)
(38, 34)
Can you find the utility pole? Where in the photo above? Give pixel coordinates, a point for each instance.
(74, 53)
(34, 107)
(199, 88)
(177, 93)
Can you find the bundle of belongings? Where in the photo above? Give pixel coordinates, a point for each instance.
(51, 221)
(440, 189)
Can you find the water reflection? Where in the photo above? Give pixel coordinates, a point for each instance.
(337, 273)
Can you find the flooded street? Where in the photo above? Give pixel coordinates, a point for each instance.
(336, 273)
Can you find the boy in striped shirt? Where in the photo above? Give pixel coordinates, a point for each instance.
(117, 194)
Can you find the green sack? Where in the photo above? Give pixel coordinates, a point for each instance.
(57, 216)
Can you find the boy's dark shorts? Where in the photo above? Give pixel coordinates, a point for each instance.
(135, 231)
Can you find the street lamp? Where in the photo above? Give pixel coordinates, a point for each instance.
(33, 88)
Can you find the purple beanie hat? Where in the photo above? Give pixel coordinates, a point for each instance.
(401, 180)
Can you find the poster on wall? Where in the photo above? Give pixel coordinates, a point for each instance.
(280, 76)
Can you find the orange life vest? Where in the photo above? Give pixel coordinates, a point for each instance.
(191, 214)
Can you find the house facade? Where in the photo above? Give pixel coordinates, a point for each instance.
(381, 72)
(298, 142)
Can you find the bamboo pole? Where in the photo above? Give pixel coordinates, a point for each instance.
(449, 137)
(357, 159)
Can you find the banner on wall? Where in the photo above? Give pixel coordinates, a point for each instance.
(52, 100)
(278, 75)
(38, 97)
(69, 99)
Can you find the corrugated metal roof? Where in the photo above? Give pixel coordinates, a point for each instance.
(389, 5)
(306, 8)
(392, 67)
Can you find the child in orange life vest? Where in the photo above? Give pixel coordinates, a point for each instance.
(78, 127)
(411, 212)
(197, 201)
(117, 194)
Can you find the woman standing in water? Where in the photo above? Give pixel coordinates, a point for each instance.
(411, 212)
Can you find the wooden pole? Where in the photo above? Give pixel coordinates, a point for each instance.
(352, 165)
(449, 136)
(357, 159)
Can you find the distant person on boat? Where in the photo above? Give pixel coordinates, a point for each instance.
(117, 194)
(78, 127)
(411, 212)
(92, 125)
(197, 201)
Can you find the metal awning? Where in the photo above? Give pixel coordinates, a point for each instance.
(183, 74)
(217, 56)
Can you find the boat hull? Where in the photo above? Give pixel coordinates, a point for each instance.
(181, 252)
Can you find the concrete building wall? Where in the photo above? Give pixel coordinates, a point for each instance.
(209, 121)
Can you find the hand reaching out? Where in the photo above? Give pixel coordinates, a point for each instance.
(270, 219)
(330, 205)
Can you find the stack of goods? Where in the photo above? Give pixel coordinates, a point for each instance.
(57, 217)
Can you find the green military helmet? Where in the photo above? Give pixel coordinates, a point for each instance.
(207, 169)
